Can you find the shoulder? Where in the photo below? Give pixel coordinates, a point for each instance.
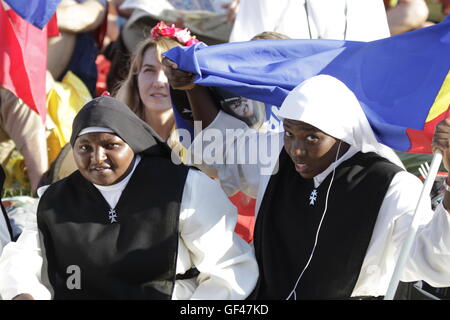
(53, 190)
(163, 163)
(200, 188)
(40, 191)
(404, 192)
(199, 179)
(401, 200)
(204, 202)
(403, 180)
(374, 162)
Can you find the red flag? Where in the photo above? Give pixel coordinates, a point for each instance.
(23, 58)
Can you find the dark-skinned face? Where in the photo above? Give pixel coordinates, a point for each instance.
(102, 158)
(311, 149)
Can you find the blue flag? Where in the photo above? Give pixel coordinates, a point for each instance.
(36, 12)
(397, 80)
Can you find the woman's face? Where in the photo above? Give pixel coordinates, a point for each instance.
(311, 150)
(153, 84)
(102, 158)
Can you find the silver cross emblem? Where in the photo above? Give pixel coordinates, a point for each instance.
(112, 215)
(313, 197)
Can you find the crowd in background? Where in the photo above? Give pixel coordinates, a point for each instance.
(106, 45)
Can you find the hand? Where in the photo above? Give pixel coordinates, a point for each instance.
(233, 8)
(441, 141)
(23, 296)
(178, 79)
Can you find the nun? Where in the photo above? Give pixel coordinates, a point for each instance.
(334, 210)
(128, 224)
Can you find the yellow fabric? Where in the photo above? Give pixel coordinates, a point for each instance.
(64, 101)
(393, 3)
(16, 181)
(442, 100)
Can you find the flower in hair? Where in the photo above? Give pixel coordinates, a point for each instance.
(182, 36)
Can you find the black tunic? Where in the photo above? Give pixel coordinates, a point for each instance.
(134, 258)
(287, 223)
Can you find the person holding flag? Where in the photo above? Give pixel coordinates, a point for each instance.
(399, 88)
(333, 213)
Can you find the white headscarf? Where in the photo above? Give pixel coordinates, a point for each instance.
(327, 104)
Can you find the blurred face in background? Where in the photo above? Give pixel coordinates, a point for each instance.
(242, 107)
(153, 84)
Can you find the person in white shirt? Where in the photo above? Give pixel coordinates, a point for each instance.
(312, 19)
(333, 208)
(128, 224)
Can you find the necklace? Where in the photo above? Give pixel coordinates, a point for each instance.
(313, 197)
(112, 215)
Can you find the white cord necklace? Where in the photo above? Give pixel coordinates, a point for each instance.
(293, 293)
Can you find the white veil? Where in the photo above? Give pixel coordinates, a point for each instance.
(327, 104)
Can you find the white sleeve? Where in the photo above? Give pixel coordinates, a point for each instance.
(430, 254)
(237, 155)
(227, 264)
(21, 265)
(429, 258)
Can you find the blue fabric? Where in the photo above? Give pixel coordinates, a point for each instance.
(396, 79)
(36, 12)
(82, 62)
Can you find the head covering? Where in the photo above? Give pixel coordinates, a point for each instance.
(110, 113)
(329, 105)
(94, 129)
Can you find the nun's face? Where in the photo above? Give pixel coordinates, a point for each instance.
(102, 158)
(153, 84)
(311, 150)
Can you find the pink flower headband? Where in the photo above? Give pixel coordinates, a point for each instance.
(183, 36)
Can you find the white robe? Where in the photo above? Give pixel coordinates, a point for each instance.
(430, 254)
(226, 263)
(366, 19)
